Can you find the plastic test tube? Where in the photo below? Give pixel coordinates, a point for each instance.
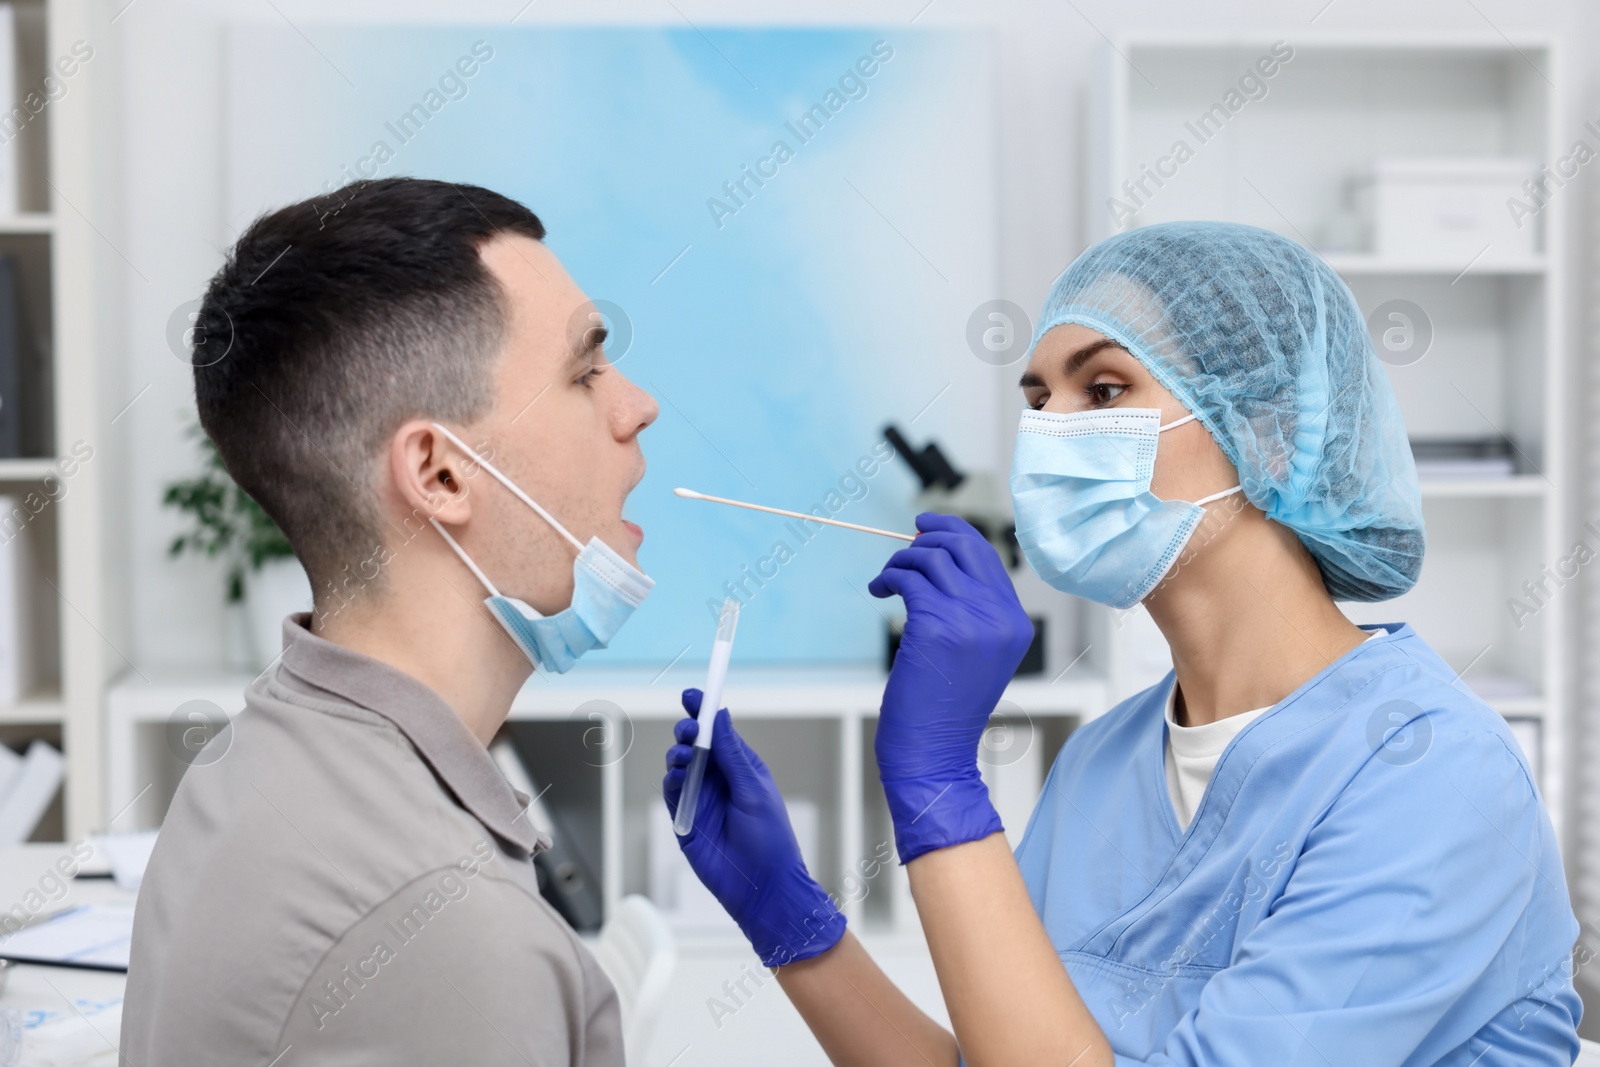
(710, 701)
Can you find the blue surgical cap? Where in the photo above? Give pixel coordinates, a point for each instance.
(1266, 345)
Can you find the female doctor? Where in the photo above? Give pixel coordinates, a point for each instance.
(1309, 844)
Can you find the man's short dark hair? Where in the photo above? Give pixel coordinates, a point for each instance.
(342, 316)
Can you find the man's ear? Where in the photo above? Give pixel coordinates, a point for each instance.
(431, 475)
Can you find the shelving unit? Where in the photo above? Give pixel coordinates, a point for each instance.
(1497, 365)
(59, 255)
(602, 738)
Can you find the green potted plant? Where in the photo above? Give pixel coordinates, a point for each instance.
(264, 580)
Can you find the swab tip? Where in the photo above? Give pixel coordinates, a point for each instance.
(688, 494)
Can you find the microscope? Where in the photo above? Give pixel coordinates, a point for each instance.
(975, 498)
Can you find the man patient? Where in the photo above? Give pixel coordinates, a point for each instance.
(418, 394)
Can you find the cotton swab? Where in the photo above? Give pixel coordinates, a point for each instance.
(690, 494)
(710, 701)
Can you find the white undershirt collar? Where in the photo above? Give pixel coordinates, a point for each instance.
(1192, 751)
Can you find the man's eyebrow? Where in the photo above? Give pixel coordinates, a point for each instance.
(1075, 362)
(591, 338)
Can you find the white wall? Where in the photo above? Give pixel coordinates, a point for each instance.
(173, 230)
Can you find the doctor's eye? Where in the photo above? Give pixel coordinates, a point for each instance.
(1103, 393)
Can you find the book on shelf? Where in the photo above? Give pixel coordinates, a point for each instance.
(1463, 457)
(28, 783)
(25, 389)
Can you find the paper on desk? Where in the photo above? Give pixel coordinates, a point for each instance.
(85, 1036)
(95, 935)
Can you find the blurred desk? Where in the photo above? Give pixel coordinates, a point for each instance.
(71, 1015)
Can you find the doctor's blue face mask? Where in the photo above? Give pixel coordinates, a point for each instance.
(1086, 518)
(606, 589)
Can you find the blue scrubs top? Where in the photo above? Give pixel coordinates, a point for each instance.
(1370, 880)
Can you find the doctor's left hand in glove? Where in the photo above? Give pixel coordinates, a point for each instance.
(743, 849)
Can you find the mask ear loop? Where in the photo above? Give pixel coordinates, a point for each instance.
(1203, 501)
(509, 484)
(451, 541)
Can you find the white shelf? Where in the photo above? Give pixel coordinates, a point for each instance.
(876, 935)
(1528, 707)
(26, 470)
(755, 693)
(134, 700)
(43, 708)
(28, 222)
(1518, 485)
(1368, 264)
(1482, 45)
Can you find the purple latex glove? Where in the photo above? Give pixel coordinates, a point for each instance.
(965, 635)
(743, 848)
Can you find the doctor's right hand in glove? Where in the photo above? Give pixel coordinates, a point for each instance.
(965, 634)
(743, 849)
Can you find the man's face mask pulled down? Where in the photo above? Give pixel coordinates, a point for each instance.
(1086, 518)
(606, 590)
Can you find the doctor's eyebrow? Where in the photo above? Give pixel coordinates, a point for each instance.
(1074, 362)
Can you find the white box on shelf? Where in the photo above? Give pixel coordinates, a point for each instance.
(673, 885)
(1011, 760)
(1526, 730)
(1450, 208)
